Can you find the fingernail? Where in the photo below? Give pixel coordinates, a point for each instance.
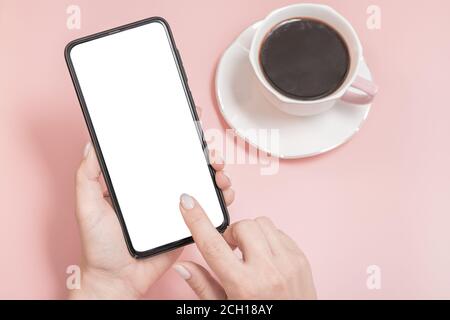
(218, 159)
(226, 175)
(187, 202)
(182, 271)
(87, 148)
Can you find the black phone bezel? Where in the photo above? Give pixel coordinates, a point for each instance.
(183, 78)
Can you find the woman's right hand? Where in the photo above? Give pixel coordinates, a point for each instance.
(273, 267)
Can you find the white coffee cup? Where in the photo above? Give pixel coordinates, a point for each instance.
(343, 27)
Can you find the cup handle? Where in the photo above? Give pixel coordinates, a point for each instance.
(369, 88)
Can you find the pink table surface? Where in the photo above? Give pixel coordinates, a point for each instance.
(382, 199)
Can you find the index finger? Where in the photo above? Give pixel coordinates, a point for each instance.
(214, 249)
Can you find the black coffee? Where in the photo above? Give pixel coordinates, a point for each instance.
(305, 59)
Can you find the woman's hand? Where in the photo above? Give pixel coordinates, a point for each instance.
(108, 270)
(273, 267)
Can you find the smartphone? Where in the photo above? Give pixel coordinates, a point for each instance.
(143, 124)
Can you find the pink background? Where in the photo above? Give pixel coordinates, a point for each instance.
(382, 199)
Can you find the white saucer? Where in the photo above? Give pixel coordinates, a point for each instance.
(245, 109)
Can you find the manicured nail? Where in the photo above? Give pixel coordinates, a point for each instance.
(187, 202)
(182, 271)
(226, 175)
(87, 148)
(218, 159)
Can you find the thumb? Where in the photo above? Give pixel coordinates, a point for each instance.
(200, 280)
(88, 188)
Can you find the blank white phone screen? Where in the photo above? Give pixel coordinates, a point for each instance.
(134, 94)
